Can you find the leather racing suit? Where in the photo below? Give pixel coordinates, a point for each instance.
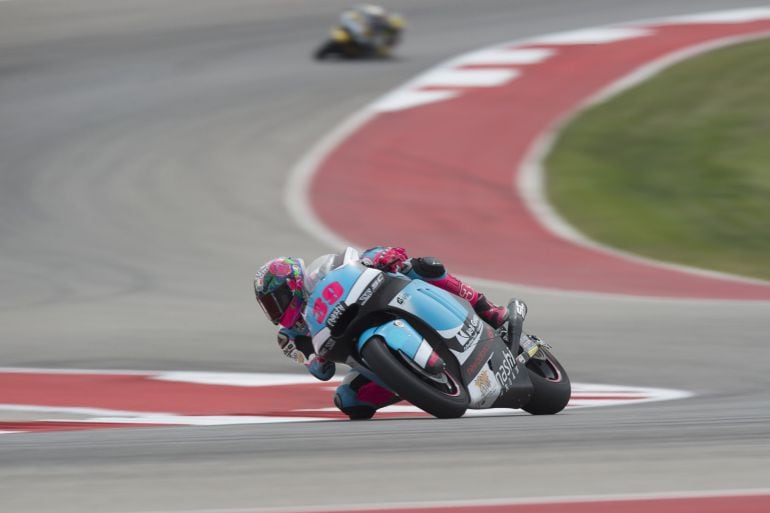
(361, 394)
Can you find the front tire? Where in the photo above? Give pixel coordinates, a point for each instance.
(327, 49)
(450, 402)
(552, 388)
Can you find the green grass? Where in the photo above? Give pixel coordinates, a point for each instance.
(677, 168)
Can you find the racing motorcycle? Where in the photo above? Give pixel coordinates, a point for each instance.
(427, 345)
(341, 44)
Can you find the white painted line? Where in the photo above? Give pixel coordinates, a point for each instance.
(9, 432)
(593, 36)
(401, 100)
(239, 379)
(736, 16)
(594, 388)
(466, 78)
(47, 370)
(199, 420)
(103, 415)
(504, 56)
(601, 395)
(234, 379)
(76, 410)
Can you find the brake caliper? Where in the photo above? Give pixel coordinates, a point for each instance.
(530, 348)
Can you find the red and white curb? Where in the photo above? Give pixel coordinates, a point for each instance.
(459, 148)
(68, 399)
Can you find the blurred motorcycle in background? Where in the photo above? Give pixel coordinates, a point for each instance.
(363, 32)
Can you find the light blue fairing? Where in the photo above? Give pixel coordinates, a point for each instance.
(436, 307)
(398, 334)
(439, 308)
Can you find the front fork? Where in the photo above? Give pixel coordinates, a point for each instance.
(531, 348)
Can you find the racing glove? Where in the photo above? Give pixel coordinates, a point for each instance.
(300, 349)
(390, 260)
(289, 347)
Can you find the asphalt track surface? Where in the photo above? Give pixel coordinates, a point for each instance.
(144, 147)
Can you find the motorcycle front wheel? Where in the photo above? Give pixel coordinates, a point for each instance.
(442, 396)
(327, 49)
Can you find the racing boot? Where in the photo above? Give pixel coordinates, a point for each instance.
(518, 312)
(492, 314)
(359, 398)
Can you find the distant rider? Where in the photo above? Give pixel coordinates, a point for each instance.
(281, 286)
(372, 28)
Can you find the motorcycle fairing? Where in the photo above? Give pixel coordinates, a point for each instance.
(420, 317)
(511, 373)
(493, 376)
(489, 370)
(339, 35)
(421, 299)
(332, 295)
(401, 336)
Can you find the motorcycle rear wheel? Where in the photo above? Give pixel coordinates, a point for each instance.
(552, 388)
(445, 402)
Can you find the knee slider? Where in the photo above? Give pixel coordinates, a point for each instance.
(430, 268)
(345, 399)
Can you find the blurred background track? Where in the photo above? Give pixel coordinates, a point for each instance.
(144, 148)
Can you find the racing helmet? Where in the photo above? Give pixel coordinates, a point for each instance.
(278, 286)
(371, 10)
(375, 16)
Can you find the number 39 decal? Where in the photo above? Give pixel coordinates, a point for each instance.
(331, 294)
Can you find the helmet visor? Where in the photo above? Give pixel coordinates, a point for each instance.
(275, 303)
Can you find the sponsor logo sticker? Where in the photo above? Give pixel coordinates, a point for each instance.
(470, 332)
(507, 372)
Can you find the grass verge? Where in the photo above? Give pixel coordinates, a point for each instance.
(676, 168)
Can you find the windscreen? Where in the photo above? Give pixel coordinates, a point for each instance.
(324, 264)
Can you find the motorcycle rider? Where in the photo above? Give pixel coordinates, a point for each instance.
(282, 287)
(371, 27)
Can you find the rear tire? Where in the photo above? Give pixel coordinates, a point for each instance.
(444, 404)
(552, 389)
